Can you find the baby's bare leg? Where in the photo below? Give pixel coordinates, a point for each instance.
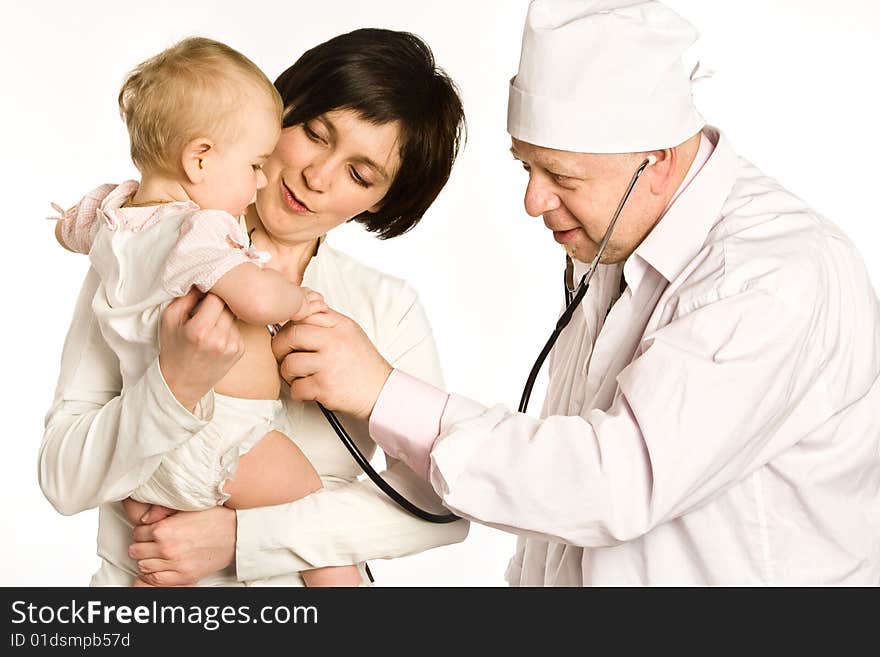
(276, 471)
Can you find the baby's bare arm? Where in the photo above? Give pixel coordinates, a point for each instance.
(259, 296)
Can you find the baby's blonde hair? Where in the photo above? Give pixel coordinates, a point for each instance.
(186, 91)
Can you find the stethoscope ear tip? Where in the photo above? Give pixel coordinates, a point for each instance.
(652, 160)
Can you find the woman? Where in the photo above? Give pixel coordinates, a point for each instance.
(370, 134)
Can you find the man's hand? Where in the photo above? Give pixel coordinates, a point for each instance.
(328, 358)
(199, 343)
(185, 547)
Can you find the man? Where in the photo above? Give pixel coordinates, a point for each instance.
(711, 415)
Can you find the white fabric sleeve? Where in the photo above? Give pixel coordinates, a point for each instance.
(98, 444)
(707, 401)
(355, 522)
(211, 244)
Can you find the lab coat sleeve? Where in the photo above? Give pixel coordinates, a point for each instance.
(100, 444)
(354, 522)
(712, 396)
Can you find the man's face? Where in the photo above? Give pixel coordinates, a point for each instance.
(578, 193)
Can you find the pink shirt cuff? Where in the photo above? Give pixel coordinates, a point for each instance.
(405, 421)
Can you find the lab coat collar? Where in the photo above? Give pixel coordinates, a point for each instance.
(682, 230)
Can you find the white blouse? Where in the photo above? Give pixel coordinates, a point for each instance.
(99, 445)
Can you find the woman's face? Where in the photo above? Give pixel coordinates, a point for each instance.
(324, 172)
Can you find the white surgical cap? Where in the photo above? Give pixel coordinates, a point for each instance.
(603, 76)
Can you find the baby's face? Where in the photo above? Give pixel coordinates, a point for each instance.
(236, 166)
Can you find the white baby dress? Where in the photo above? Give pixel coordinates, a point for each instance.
(145, 257)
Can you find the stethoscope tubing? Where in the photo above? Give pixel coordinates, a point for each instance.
(573, 299)
(376, 478)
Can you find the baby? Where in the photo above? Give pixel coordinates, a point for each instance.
(202, 119)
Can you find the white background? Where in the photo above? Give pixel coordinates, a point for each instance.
(795, 90)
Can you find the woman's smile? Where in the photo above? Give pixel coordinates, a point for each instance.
(293, 202)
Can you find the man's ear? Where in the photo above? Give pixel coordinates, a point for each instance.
(663, 170)
(195, 159)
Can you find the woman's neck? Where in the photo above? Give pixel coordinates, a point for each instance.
(288, 258)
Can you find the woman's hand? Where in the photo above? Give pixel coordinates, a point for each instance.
(199, 343)
(183, 548)
(143, 513)
(328, 358)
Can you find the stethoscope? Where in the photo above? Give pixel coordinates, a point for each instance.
(573, 297)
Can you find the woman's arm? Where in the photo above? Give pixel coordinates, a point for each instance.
(342, 525)
(365, 524)
(99, 444)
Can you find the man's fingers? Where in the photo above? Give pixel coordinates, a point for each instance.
(305, 337)
(297, 337)
(299, 364)
(304, 389)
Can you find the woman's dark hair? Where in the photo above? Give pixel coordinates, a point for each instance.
(384, 76)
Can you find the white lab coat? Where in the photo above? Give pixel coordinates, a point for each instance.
(99, 445)
(720, 427)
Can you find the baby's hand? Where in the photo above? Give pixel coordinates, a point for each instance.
(312, 303)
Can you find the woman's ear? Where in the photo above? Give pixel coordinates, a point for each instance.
(195, 159)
